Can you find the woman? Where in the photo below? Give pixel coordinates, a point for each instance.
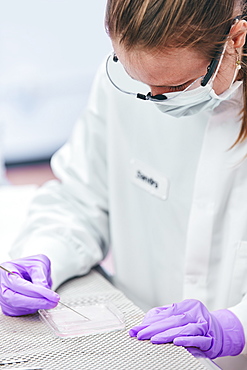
(166, 186)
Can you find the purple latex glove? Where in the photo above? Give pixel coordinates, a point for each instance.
(190, 324)
(28, 290)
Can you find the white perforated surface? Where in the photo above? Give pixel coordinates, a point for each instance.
(28, 342)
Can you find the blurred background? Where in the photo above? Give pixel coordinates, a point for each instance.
(49, 52)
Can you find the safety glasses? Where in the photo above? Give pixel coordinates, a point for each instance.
(203, 81)
(212, 71)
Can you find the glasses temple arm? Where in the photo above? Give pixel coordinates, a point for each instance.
(211, 69)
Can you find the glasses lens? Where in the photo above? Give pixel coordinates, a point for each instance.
(123, 81)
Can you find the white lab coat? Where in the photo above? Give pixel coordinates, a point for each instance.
(167, 194)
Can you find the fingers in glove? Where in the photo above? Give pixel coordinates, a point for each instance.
(201, 342)
(17, 284)
(36, 269)
(162, 326)
(25, 305)
(170, 335)
(158, 313)
(40, 270)
(135, 330)
(12, 311)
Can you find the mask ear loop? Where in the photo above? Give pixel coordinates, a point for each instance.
(219, 64)
(237, 68)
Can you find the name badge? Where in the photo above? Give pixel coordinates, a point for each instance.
(149, 179)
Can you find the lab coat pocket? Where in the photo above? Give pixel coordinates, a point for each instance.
(238, 286)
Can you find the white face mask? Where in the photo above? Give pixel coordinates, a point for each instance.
(195, 101)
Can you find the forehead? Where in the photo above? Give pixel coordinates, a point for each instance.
(167, 67)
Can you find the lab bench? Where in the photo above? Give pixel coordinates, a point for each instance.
(27, 342)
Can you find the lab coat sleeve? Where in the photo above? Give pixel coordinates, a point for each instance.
(68, 218)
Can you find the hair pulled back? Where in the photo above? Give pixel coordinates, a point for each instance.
(156, 24)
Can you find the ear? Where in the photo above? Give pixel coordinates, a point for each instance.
(238, 33)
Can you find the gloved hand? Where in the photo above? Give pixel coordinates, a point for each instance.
(29, 288)
(190, 324)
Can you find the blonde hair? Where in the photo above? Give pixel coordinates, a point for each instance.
(155, 24)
